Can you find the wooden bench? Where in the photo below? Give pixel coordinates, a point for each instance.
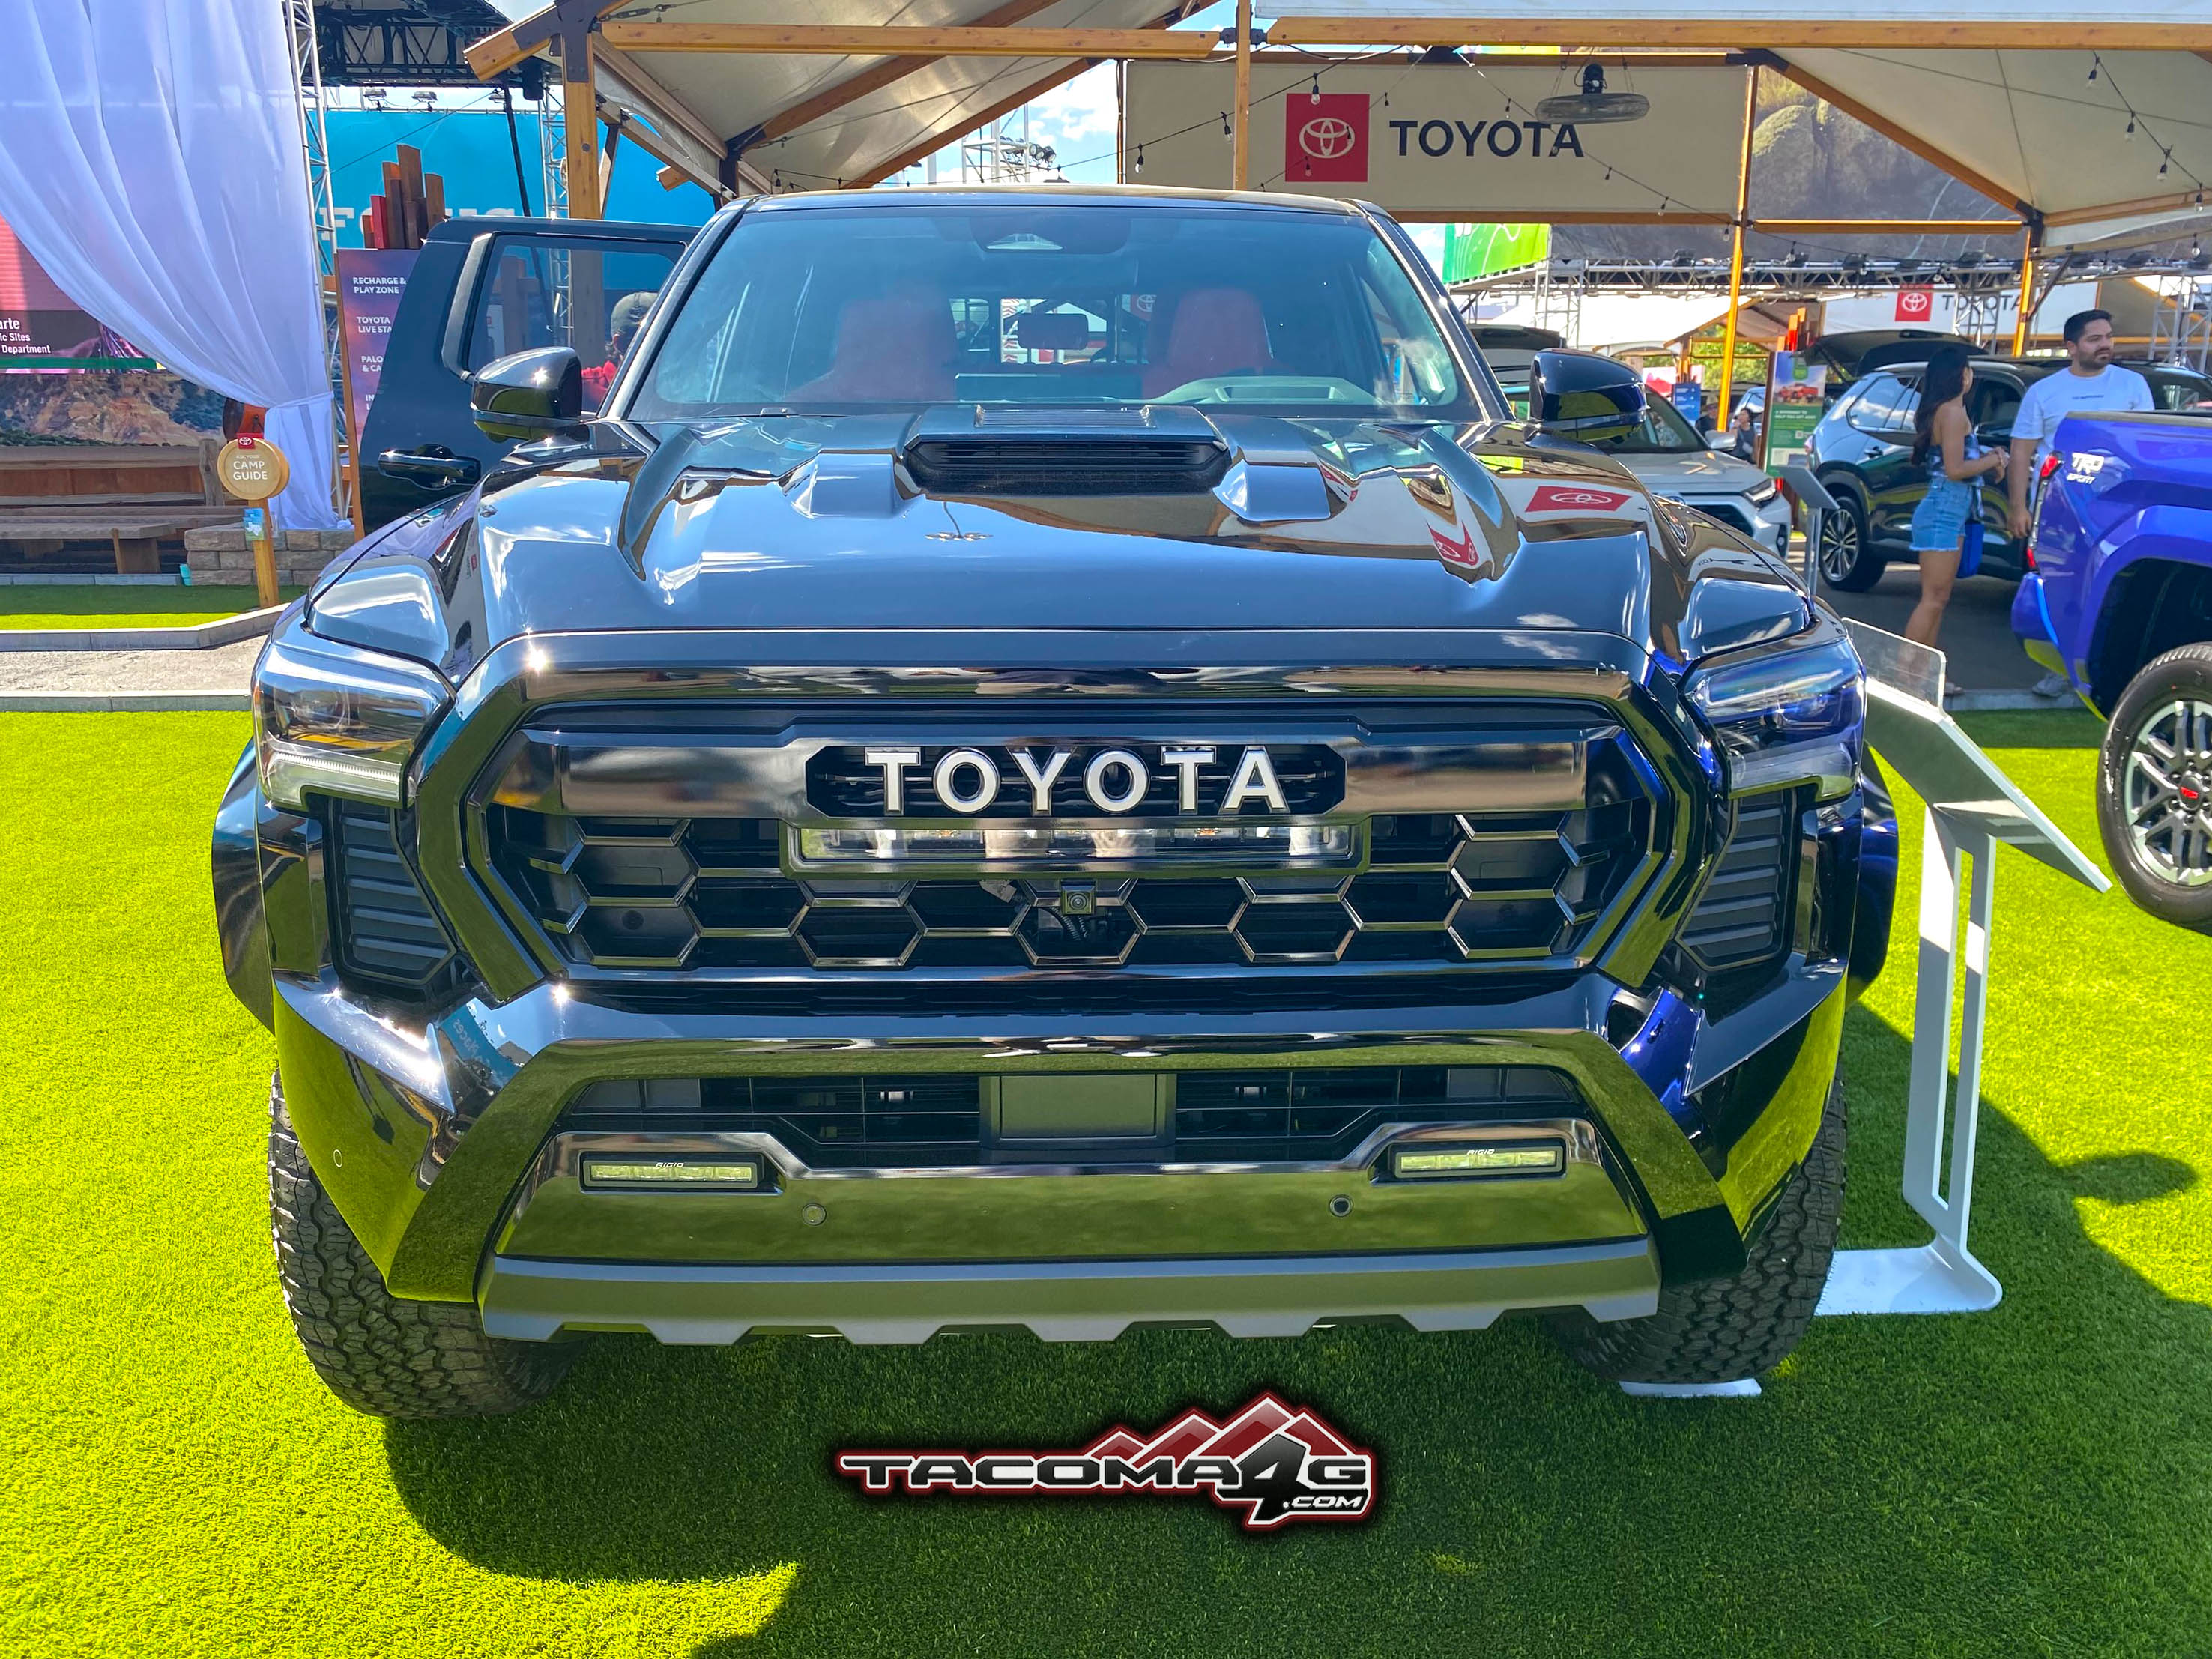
(131, 496)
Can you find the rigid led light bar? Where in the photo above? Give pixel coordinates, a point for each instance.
(684, 1175)
(1427, 1161)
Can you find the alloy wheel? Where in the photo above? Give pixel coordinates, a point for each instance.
(2166, 791)
(1840, 545)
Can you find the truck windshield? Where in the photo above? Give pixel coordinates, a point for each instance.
(850, 309)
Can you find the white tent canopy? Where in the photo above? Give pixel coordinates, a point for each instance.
(2042, 129)
(2004, 99)
(754, 120)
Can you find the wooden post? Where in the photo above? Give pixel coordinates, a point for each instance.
(1736, 251)
(1241, 149)
(1121, 121)
(2020, 328)
(580, 120)
(263, 543)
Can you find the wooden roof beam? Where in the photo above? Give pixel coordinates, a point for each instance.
(831, 99)
(822, 40)
(1783, 31)
(879, 171)
(497, 53)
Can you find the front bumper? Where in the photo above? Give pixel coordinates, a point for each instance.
(1767, 524)
(447, 1154)
(1065, 1301)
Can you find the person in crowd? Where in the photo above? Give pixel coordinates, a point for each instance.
(2091, 381)
(622, 328)
(1744, 432)
(1943, 441)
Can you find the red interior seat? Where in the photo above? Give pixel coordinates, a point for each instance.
(894, 347)
(1215, 330)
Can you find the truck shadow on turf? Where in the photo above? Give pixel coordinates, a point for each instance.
(1945, 1483)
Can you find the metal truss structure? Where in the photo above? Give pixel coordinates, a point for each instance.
(407, 43)
(2181, 327)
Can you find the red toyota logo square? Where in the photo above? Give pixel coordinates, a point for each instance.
(1324, 138)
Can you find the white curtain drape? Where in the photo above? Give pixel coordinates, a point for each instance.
(150, 160)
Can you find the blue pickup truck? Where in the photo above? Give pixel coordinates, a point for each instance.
(2119, 597)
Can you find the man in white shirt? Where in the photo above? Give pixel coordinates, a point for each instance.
(2091, 381)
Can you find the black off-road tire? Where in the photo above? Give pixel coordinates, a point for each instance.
(1725, 1329)
(380, 1353)
(2183, 678)
(1850, 562)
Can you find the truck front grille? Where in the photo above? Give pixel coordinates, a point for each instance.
(692, 894)
(938, 1120)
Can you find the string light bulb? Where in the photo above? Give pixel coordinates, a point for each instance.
(1225, 132)
(1313, 97)
(2095, 64)
(1140, 158)
(2130, 135)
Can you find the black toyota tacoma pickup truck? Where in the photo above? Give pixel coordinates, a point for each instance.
(1041, 758)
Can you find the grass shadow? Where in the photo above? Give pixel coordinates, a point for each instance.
(2035, 1479)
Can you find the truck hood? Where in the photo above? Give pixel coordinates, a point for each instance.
(810, 523)
(1693, 472)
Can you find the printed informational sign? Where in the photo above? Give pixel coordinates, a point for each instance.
(1690, 397)
(1460, 138)
(1915, 305)
(370, 282)
(253, 469)
(1800, 399)
(42, 328)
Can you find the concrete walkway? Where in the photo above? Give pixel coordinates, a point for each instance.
(127, 680)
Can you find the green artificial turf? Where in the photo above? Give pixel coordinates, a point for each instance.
(2036, 1480)
(95, 605)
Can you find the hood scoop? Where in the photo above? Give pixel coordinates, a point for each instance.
(1152, 451)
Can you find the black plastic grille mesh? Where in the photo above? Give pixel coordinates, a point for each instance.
(1743, 916)
(709, 893)
(1059, 466)
(385, 933)
(1312, 1115)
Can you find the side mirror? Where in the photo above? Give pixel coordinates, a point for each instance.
(529, 394)
(1585, 398)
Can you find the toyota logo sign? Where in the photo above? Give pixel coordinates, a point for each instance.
(1324, 139)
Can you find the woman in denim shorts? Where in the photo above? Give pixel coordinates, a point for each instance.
(1943, 441)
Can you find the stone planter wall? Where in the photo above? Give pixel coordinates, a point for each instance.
(220, 556)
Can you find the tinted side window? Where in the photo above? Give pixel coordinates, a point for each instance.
(1992, 403)
(2169, 390)
(546, 290)
(1875, 413)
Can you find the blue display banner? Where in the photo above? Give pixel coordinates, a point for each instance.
(470, 151)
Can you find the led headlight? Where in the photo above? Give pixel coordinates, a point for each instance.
(1786, 713)
(338, 718)
(1763, 492)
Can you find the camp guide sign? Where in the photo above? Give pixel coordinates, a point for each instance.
(1465, 138)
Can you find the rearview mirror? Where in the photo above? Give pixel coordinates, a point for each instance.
(1584, 397)
(529, 394)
